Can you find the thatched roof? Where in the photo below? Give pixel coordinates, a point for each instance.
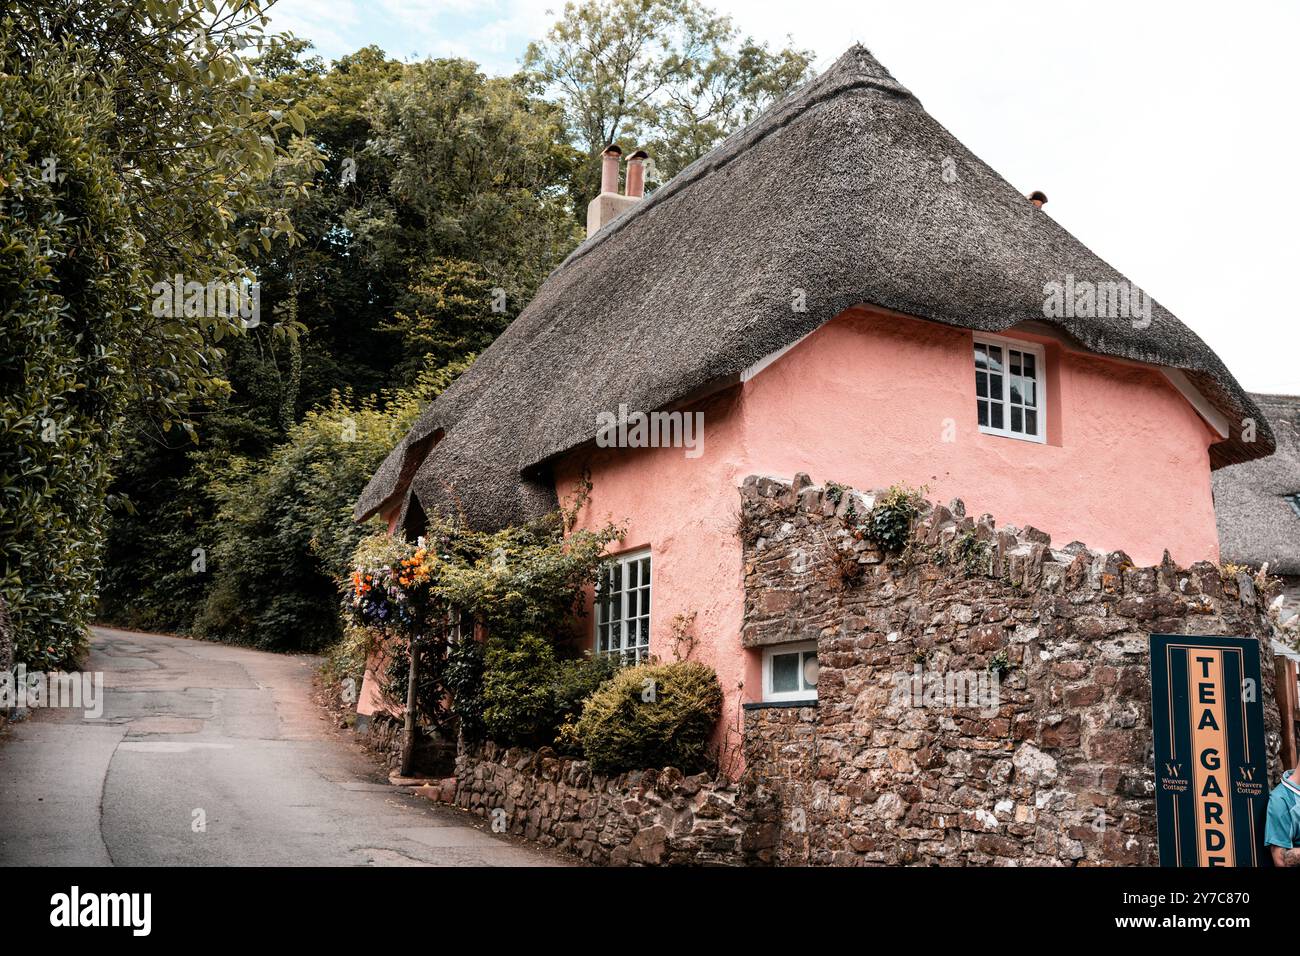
(1256, 523)
(838, 190)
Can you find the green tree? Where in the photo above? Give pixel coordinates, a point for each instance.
(338, 292)
(445, 313)
(190, 143)
(284, 532)
(165, 491)
(69, 269)
(133, 146)
(476, 169)
(671, 75)
(436, 201)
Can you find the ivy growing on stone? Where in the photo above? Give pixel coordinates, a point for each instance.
(970, 553)
(889, 523)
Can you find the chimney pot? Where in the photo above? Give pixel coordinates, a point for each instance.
(609, 168)
(1038, 198)
(636, 173)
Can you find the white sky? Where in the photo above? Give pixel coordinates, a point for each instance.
(1165, 134)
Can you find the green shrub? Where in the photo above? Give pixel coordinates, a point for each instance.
(519, 690)
(651, 715)
(529, 694)
(463, 678)
(575, 681)
(517, 583)
(578, 679)
(889, 523)
(286, 535)
(523, 579)
(69, 278)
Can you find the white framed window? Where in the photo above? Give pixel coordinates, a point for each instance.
(790, 672)
(1009, 388)
(623, 607)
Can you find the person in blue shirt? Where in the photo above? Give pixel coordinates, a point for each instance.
(1282, 831)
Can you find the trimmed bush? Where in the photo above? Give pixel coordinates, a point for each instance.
(651, 715)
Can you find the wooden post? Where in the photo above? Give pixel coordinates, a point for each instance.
(1286, 706)
(408, 735)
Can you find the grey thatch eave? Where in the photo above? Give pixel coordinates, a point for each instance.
(837, 191)
(1256, 523)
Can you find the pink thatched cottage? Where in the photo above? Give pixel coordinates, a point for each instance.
(840, 289)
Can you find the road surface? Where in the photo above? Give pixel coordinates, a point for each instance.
(214, 755)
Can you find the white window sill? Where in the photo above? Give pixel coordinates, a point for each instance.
(1004, 433)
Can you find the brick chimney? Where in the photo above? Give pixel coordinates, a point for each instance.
(609, 205)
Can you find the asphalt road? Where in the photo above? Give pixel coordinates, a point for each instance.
(213, 755)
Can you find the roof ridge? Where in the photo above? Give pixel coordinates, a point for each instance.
(1275, 397)
(857, 66)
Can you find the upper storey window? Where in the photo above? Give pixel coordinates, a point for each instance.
(1009, 392)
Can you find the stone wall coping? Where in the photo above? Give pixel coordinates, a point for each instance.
(1025, 555)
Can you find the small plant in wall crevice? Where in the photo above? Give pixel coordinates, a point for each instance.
(747, 527)
(1001, 664)
(835, 492)
(842, 568)
(889, 523)
(970, 553)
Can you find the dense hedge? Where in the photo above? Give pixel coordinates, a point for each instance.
(69, 278)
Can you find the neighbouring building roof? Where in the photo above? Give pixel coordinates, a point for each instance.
(840, 191)
(1256, 522)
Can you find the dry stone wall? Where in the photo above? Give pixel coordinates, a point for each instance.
(1047, 760)
(648, 817)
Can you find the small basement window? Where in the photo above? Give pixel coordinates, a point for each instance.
(790, 672)
(1294, 501)
(1009, 393)
(623, 607)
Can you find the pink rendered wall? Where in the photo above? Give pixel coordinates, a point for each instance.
(865, 401)
(686, 511)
